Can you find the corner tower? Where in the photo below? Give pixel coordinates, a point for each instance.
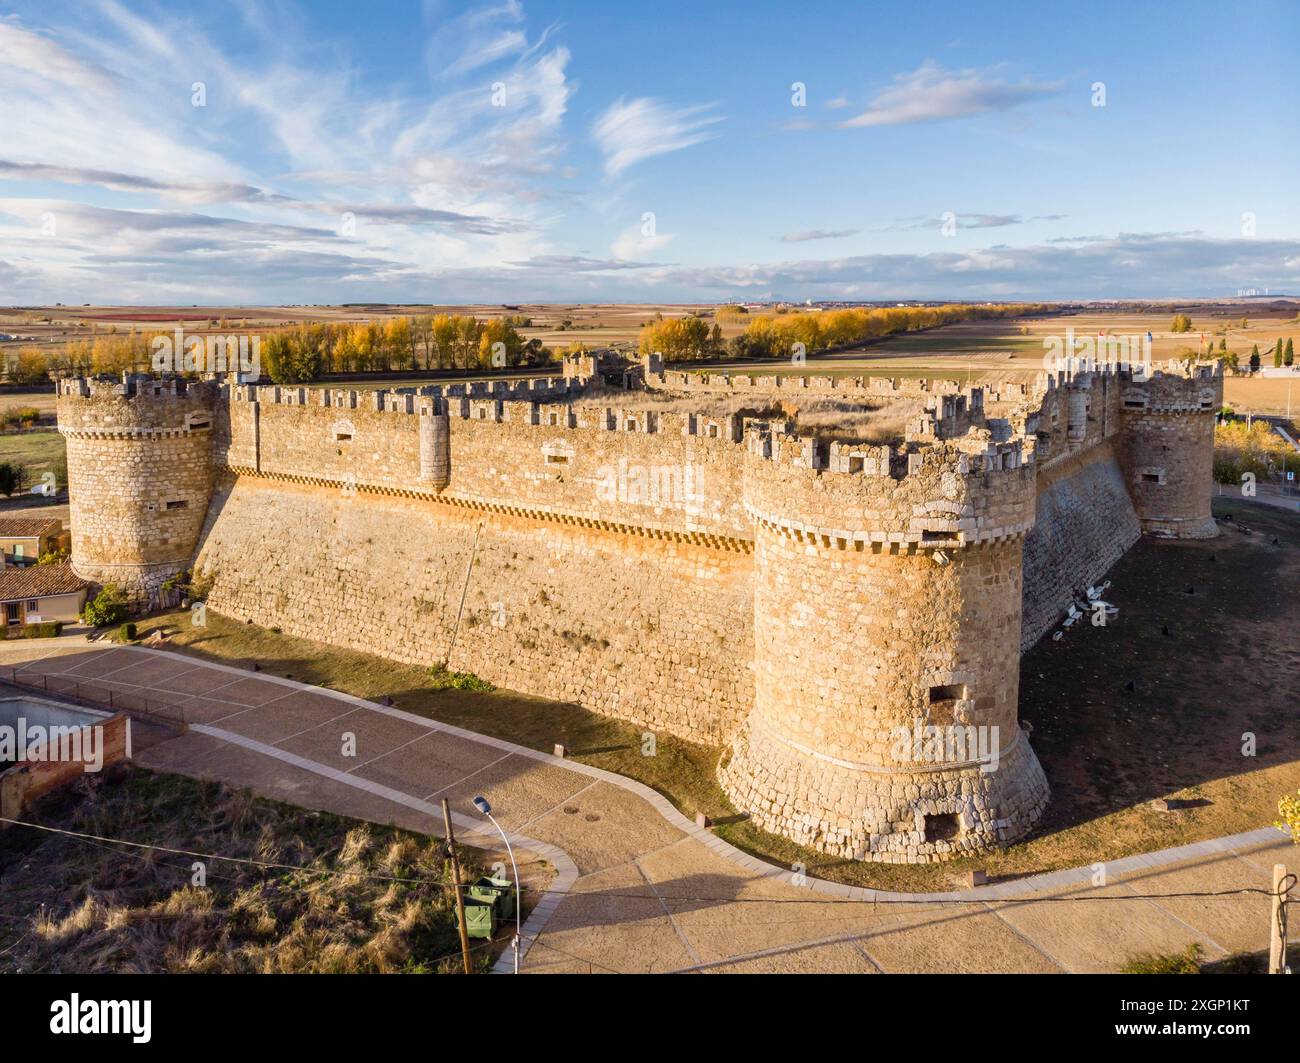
(887, 610)
(1167, 448)
(140, 476)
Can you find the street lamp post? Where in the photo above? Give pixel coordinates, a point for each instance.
(482, 805)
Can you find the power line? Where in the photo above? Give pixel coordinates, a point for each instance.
(812, 899)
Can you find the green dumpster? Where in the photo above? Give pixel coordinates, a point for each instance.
(480, 918)
(498, 892)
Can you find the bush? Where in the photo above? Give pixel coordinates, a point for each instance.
(1186, 962)
(127, 632)
(1289, 809)
(442, 679)
(12, 476)
(107, 607)
(48, 629)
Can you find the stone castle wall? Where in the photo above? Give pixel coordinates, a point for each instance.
(718, 577)
(562, 611)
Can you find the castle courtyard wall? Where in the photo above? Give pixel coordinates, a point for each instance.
(1084, 523)
(650, 630)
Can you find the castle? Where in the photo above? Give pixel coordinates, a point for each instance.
(677, 550)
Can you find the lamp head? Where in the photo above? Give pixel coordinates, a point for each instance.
(482, 805)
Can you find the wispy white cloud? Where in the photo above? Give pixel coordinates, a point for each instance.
(932, 94)
(806, 235)
(629, 131)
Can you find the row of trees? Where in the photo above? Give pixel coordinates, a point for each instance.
(430, 341)
(1257, 449)
(1283, 355)
(777, 335)
(304, 352)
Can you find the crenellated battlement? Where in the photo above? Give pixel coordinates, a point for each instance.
(134, 406)
(905, 496)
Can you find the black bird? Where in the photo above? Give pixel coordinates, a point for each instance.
(1275, 542)
(1164, 630)
(1191, 589)
(1131, 685)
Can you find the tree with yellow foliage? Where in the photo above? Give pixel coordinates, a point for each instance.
(676, 338)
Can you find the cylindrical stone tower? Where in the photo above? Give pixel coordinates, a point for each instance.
(1168, 450)
(435, 442)
(887, 650)
(140, 475)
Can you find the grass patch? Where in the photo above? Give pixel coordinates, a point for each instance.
(1186, 962)
(441, 679)
(38, 452)
(354, 897)
(1192, 961)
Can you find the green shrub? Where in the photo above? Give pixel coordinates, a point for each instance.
(442, 679)
(1186, 962)
(107, 607)
(127, 632)
(47, 629)
(12, 477)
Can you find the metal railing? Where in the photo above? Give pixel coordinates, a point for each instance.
(99, 696)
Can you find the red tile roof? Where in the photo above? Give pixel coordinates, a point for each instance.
(29, 527)
(36, 581)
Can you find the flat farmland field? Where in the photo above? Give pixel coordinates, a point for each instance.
(1014, 349)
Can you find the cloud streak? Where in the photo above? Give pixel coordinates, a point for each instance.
(932, 94)
(630, 131)
(806, 235)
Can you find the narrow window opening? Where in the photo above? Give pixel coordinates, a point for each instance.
(952, 692)
(942, 827)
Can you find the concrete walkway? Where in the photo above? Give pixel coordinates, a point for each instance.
(631, 885)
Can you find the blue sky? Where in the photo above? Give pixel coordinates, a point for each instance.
(250, 152)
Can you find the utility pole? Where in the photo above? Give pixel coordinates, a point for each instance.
(1277, 922)
(455, 873)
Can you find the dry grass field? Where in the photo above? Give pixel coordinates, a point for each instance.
(1014, 349)
(347, 896)
(972, 351)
